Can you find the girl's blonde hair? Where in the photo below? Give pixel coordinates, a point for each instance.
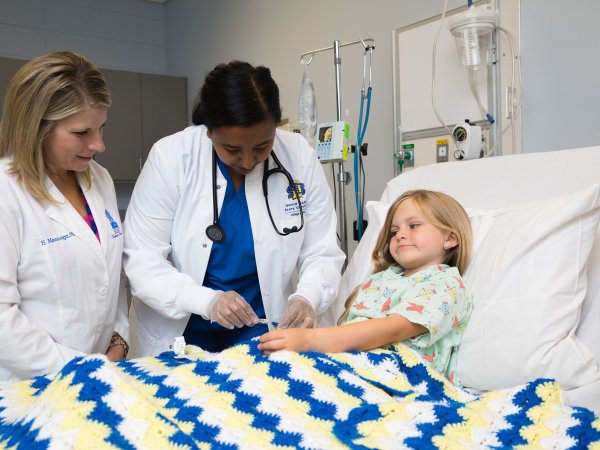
(440, 210)
(43, 91)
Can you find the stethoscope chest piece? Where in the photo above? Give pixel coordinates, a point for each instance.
(215, 233)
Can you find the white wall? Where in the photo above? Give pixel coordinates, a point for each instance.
(202, 33)
(559, 43)
(114, 34)
(188, 37)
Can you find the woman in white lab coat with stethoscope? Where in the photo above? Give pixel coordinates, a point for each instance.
(60, 234)
(222, 215)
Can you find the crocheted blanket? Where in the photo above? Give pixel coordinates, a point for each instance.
(238, 398)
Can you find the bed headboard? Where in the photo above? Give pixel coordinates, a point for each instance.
(493, 183)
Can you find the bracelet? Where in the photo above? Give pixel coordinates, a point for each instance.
(116, 339)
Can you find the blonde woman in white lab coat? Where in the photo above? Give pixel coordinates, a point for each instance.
(61, 292)
(207, 252)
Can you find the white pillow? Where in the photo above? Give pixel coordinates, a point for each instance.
(528, 279)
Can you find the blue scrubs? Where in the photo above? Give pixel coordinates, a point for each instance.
(231, 267)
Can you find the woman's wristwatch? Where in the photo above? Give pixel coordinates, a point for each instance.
(116, 339)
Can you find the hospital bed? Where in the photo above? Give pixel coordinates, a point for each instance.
(529, 357)
(535, 271)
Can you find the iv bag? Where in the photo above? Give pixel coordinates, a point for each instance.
(307, 109)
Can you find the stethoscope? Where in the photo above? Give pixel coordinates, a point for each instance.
(216, 233)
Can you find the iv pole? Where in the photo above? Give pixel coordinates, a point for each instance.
(343, 176)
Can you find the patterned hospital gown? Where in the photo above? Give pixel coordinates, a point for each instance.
(435, 297)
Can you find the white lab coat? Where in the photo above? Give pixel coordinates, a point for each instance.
(167, 250)
(59, 286)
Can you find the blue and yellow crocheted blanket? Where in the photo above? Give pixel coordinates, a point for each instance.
(382, 399)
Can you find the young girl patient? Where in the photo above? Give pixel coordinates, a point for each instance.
(415, 294)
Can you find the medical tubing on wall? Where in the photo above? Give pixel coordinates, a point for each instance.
(514, 109)
(473, 85)
(433, 57)
(516, 63)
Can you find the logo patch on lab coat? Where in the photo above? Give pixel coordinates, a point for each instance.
(116, 230)
(299, 191)
(292, 208)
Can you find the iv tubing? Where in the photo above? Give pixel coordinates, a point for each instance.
(360, 134)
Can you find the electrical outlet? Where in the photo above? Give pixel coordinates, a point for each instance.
(441, 150)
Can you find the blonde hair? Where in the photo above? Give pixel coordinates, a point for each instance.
(443, 212)
(45, 90)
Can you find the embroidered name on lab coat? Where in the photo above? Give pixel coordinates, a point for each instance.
(52, 240)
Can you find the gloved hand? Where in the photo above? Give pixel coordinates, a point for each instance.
(232, 311)
(298, 313)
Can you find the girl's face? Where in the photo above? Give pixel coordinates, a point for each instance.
(75, 140)
(416, 244)
(243, 148)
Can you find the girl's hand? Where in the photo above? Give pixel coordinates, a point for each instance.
(358, 336)
(296, 339)
(115, 353)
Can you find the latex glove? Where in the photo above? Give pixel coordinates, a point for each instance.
(232, 311)
(298, 313)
